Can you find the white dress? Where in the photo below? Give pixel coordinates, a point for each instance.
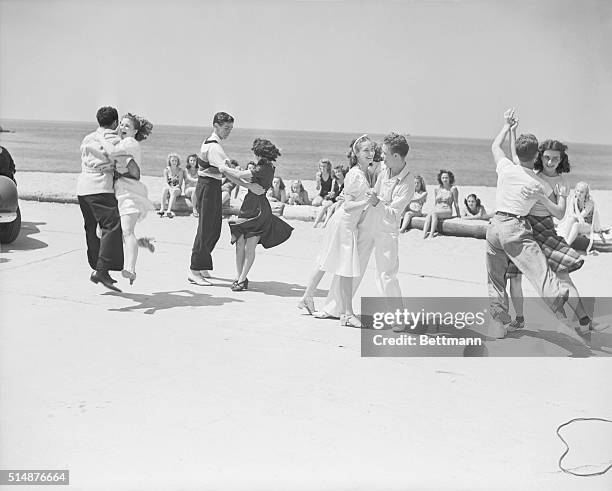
(338, 254)
(131, 194)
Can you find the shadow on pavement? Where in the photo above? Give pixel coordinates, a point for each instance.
(24, 242)
(575, 348)
(280, 289)
(151, 303)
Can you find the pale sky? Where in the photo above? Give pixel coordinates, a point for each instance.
(438, 68)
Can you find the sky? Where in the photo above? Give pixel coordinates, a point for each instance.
(435, 68)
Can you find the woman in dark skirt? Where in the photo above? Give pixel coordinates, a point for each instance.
(552, 162)
(255, 223)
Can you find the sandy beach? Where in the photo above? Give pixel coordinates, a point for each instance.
(173, 386)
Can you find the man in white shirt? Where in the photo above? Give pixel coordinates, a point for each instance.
(378, 229)
(208, 192)
(509, 236)
(98, 204)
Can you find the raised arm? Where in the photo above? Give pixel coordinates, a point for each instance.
(496, 147)
(515, 158)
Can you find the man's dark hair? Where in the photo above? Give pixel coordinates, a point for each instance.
(106, 116)
(222, 118)
(397, 144)
(526, 147)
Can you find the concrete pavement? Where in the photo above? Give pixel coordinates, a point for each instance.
(173, 386)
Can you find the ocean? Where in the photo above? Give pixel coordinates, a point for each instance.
(53, 146)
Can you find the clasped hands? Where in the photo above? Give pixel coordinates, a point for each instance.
(373, 198)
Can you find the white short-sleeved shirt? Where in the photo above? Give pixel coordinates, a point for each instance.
(511, 179)
(214, 154)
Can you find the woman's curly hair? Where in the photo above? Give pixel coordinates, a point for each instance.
(142, 126)
(563, 166)
(422, 186)
(265, 150)
(178, 159)
(478, 204)
(351, 155)
(451, 176)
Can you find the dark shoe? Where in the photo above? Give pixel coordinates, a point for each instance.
(104, 278)
(240, 286)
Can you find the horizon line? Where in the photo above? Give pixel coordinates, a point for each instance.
(410, 135)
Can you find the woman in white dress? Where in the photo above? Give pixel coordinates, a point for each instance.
(131, 194)
(338, 254)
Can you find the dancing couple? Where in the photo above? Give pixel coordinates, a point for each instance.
(255, 223)
(111, 197)
(521, 239)
(368, 220)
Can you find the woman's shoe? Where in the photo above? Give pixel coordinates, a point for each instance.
(170, 214)
(240, 286)
(147, 242)
(307, 303)
(350, 321)
(129, 275)
(161, 213)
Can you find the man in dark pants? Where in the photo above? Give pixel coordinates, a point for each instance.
(7, 166)
(98, 204)
(208, 192)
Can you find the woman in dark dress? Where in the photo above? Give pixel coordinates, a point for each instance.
(255, 223)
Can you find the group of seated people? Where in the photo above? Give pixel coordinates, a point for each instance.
(581, 217)
(446, 204)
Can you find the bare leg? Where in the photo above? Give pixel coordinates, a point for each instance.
(406, 221)
(174, 193)
(315, 279)
(130, 243)
(426, 225)
(164, 196)
(240, 245)
(434, 225)
(346, 286)
(573, 232)
(516, 294)
(320, 215)
(249, 257)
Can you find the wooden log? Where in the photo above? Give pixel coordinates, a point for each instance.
(458, 227)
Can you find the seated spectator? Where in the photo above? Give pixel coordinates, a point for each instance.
(7, 166)
(191, 180)
(228, 187)
(277, 191)
(581, 217)
(331, 198)
(446, 199)
(415, 206)
(323, 179)
(174, 177)
(474, 210)
(298, 195)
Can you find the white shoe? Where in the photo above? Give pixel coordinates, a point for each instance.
(324, 315)
(204, 273)
(198, 280)
(497, 329)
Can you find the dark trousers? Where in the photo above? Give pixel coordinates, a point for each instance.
(208, 191)
(104, 253)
